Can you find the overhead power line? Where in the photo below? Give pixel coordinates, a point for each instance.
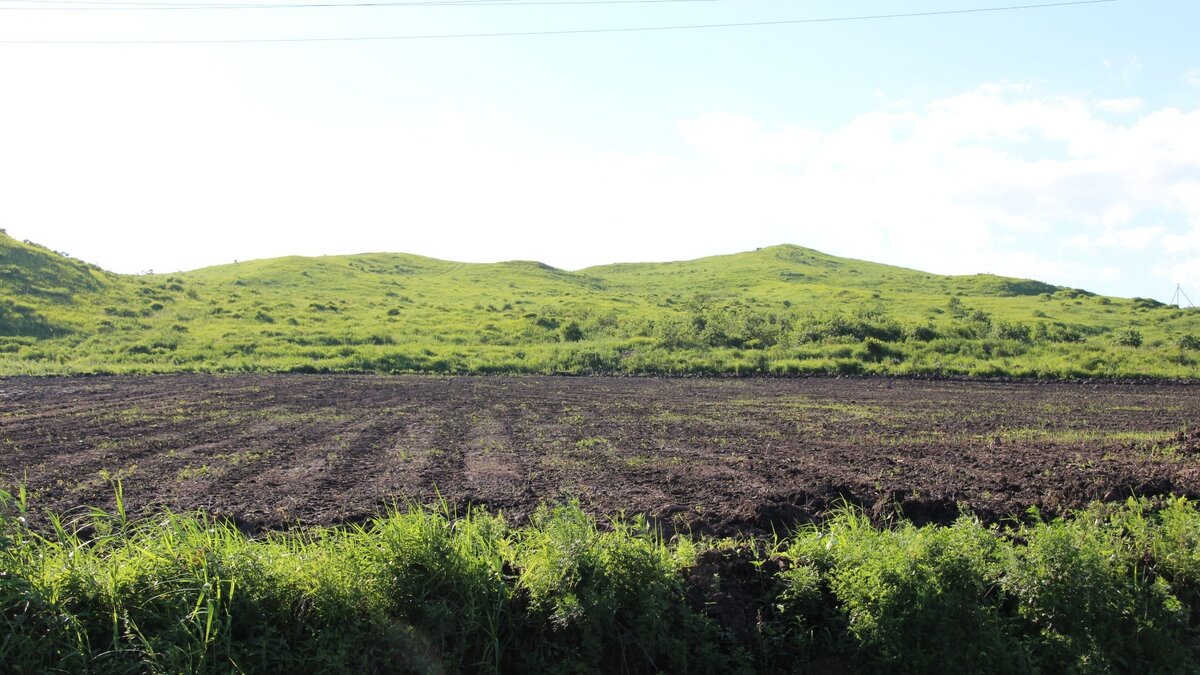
(136, 3)
(161, 6)
(578, 31)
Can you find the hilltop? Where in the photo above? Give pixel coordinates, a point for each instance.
(781, 309)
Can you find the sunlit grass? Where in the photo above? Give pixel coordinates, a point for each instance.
(1115, 588)
(779, 310)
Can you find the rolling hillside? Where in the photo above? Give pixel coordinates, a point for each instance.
(782, 309)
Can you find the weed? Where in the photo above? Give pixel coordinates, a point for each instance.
(1115, 588)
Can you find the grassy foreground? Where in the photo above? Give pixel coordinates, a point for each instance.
(1113, 589)
(777, 310)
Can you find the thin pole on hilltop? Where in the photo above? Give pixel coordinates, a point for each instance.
(1179, 296)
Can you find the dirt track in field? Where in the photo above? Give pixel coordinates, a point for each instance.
(713, 455)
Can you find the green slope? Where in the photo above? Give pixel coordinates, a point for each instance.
(782, 309)
(39, 289)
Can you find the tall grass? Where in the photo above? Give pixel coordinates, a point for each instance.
(1115, 588)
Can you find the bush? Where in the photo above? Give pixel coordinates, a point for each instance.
(1056, 332)
(1149, 303)
(874, 351)
(1113, 589)
(922, 333)
(606, 602)
(1087, 608)
(1128, 337)
(675, 334)
(916, 600)
(1012, 331)
(572, 332)
(860, 326)
(956, 307)
(446, 577)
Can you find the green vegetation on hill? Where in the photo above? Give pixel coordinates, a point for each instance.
(780, 310)
(1116, 589)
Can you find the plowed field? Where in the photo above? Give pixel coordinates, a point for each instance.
(711, 455)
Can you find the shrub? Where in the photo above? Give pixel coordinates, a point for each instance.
(1012, 331)
(572, 332)
(874, 351)
(1087, 608)
(1115, 588)
(1056, 332)
(607, 602)
(860, 326)
(847, 367)
(1128, 337)
(586, 361)
(1148, 303)
(674, 334)
(917, 600)
(448, 577)
(922, 333)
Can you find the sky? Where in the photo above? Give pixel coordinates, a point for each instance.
(1057, 143)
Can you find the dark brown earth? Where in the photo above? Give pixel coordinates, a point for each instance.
(712, 455)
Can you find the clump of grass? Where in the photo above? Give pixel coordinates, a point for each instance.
(914, 599)
(607, 601)
(1087, 602)
(1115, 588)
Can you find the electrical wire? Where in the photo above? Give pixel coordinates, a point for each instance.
(579, 31)
(222, 4)
(156, 6)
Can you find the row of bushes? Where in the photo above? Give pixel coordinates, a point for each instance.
(743, 328)
(939, 357)
(1114, 589)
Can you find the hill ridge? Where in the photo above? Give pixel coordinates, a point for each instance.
(778, 309)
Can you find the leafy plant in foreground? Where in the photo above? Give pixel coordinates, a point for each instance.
(1111, 589)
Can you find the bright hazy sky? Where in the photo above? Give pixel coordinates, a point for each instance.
(1058, 143)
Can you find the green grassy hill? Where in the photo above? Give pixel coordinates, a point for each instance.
(782, 309)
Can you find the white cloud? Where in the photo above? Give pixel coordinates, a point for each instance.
(1133, 239)
(1121, 106)
(997, 179)
(737, 139)
(990, 179)
(1193, 77)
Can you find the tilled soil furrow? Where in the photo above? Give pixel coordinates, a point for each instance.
(719, 455)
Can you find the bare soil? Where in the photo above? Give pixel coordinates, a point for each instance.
(707, 455)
